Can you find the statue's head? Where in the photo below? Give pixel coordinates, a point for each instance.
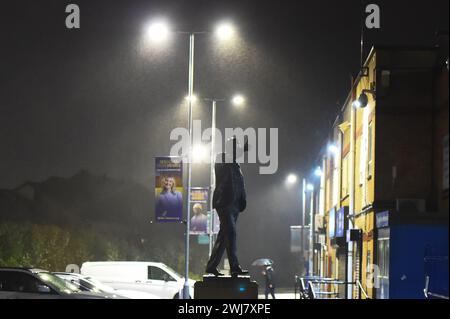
(234, 148)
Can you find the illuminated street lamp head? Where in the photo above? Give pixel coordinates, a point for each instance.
(361, 102)
(310, 187)
(158, 31)
(356, 104)
(192, 98)
(238, 100)
(333, 149)
(225, 31)
(291, 179)
(318, 172)
(199, 153)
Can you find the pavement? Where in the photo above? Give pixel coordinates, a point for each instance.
(280, 293)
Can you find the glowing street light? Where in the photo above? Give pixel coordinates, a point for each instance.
(291, 179)
(356, 104)
(238, 100)
(192, 98)
(199, 153)
(362, 100)
(318, 171)
(309, 187)
(333, 149)
(225, 31)
(158, 31)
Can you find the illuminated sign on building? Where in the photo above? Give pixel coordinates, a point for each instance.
(332, 223)
(340, 222)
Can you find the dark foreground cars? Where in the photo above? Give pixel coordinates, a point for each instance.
(24, 283)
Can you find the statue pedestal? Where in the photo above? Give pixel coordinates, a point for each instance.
(226, 287)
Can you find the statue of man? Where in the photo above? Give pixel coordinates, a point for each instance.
(229, 199)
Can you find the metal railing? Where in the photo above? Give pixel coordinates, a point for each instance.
(360, 287)
(314, 287)
(310, 288)
(430, 295)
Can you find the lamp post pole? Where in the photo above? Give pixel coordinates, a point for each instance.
(303, 223)
(188, 210)
(311, 235)
(212, 177)
(190, 124)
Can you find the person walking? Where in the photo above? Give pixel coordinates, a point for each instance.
(270, 287)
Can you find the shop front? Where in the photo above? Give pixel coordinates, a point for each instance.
(339, 243)
(409, 248)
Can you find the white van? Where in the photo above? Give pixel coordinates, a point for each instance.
(152, 277)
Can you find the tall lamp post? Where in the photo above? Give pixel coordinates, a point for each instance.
(189, 169)
(212, 174)
(291, 180)
(306, 187)
(159, 31)
(318, 175)
(303, 220)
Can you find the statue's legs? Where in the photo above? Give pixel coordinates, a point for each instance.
(226, 239)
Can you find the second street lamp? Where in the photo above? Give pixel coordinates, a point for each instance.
(291, 179)
(308, 188)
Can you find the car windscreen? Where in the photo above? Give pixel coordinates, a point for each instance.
(172, 271)
(59, 284)
(83, 284)
(97, 285)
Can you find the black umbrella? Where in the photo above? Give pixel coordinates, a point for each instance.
(263, 262)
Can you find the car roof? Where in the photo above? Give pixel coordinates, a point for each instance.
(123, 263)
(16, 268)
(37, 270)
(70, 274)
(66, 273)
(28, 269)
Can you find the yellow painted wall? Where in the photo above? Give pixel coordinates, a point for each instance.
(364, 183)
(364, 190)
(364, 187)
(365, 222)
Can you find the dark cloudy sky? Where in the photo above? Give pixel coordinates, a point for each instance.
(92, 98)
(95, 99)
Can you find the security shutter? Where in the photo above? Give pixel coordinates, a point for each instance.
(356, 271)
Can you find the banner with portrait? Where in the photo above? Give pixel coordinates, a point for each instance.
(168, 189)
(199, 211)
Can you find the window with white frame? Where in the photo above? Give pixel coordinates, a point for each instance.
(335, 187)
(369, 150)
(362, 159)
(345, 175)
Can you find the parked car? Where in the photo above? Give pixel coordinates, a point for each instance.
(152, 277)
(86, 283)
(26, 283)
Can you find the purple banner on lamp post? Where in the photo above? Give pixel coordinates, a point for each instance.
(168, 189)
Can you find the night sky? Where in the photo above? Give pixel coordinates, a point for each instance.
(98, 99)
